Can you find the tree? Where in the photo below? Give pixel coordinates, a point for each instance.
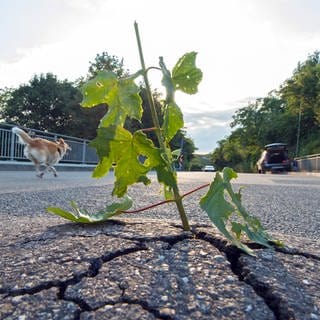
(301, 91)
(5, 95)
(47, 104)
(301, 94)
(104, 61)
(42, 104)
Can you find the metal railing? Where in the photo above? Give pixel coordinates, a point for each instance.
(11, 150)
(309, 163)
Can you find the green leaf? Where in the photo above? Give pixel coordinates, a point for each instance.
(99, 89)
(218, 209)
(237, 229)
(172, 121)
(168, 193)
(167, 81)
(121, 96)
(221, 202)
(167, 177)
(138, 156)
(129, 98)
(82, 216)
(185, 75)
(133, 155)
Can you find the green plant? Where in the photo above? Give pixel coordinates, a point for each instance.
(132, 156)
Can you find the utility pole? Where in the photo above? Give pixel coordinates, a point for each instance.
(298, 131)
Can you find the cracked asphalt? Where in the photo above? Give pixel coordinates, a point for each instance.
(145, 266)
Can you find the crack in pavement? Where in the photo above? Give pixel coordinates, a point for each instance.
(297, 252)
(93, 270)
(238, 265)
(160, 313)
(277, 302)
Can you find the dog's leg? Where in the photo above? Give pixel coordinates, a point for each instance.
(37, 165)
(40, 173)
(54, 171)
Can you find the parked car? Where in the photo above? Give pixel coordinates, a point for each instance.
(274, 158)
(208, 168)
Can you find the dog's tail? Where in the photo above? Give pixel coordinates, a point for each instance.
(24, 138)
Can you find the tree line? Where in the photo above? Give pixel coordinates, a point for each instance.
(290, 114)
(49, 104)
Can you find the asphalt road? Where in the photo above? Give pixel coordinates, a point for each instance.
(148, 268)
(286, 203)
(18, 181)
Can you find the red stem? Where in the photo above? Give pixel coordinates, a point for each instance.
(165, 201)
(194, 190)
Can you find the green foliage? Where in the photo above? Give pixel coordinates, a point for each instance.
(118, 147)
(133, 155)
(121, 96)
(185, 76)
(83, 216)
(221, 209)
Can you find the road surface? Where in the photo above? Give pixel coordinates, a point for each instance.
(287, 203)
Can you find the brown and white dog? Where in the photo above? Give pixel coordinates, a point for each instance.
(41, 151)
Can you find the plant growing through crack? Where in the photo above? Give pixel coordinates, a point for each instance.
(132, 156)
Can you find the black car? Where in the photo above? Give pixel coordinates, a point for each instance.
(274, 158)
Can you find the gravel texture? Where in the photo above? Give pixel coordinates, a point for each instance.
(140, 268)
(284, 209)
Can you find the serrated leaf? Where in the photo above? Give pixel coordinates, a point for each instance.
(216, 206)
(102, 168)
(237, 229)
(167, 81)
(82, 216)
(99, 89)
(121, 96)
(229, 174)
(133, 155)
(257, 236)
(172, 121)
(167, 177)
(220, 211)
(185, 75)
(129, 98)
(130, 168)
(114, 116)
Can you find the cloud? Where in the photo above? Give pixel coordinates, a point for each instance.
(208, 127)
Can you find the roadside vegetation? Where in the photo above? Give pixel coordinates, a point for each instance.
(290, 115)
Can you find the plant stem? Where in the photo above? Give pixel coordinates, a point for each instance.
(196, 189)
(154, 115)
(155, 119)
(165, 201)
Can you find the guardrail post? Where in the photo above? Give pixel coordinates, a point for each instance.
(84, 148)
(12, 144)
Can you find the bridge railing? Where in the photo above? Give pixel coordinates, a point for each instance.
(309, 163)
(10, 149)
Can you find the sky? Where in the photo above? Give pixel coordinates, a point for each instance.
(246, 48)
